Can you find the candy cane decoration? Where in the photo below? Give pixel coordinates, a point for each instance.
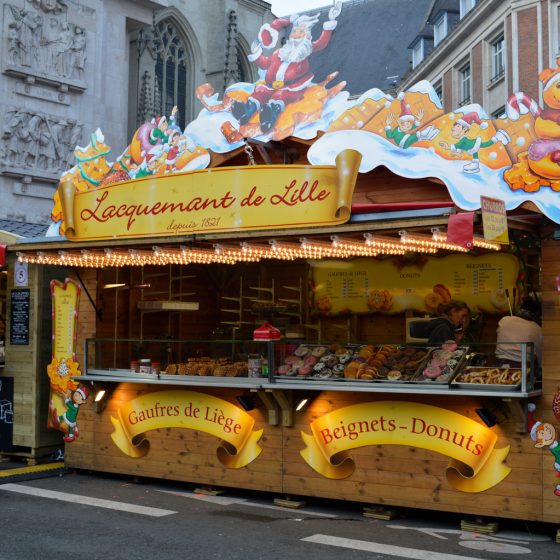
(520, 103)
(556, 404)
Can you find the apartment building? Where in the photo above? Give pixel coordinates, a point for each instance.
(481, 51)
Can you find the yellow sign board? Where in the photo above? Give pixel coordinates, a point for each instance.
(187, 409)
(494, 220)
(214, 200)
(392, 285)
(475, 463)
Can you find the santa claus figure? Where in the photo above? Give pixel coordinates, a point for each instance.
(287, 69)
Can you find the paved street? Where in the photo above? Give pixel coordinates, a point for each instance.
(109, 517)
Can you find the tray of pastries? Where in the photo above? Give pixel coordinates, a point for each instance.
(488, 378)
(316, 362)
(442, 363)
(387, 363)
(205, 366)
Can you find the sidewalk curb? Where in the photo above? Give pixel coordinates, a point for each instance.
(22, 474)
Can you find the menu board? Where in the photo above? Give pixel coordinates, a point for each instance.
(388, 286)
(19, 317)
(65, 317)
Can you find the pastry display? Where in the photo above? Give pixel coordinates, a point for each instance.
(443, 363)
(489, 376)
(318, 362)
(221, 367)
(401, 363)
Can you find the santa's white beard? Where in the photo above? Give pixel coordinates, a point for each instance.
(295, 50)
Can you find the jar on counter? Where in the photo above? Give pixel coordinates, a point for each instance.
(145, 366)
(156, 368)
(254, 365)
(134, 366)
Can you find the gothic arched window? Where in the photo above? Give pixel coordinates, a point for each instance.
(162, 73)
(170, 70)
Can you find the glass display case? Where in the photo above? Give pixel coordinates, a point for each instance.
(449, 368)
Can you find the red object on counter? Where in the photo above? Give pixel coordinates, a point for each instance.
(266, 332)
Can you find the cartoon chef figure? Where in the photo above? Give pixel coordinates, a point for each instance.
(544, 434)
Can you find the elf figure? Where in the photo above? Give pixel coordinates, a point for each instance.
(470, 145)
(544, 434)
(406, 132)
(74, 399)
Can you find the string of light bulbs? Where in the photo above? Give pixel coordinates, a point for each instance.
(369, 245)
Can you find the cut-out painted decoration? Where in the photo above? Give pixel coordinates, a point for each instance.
(514, 158)
(544, 435)
(67, 394)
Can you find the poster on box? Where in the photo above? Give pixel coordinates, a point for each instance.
(394, 285)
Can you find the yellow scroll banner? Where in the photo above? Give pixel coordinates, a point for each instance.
(475, 465)
(192, 410)
(214, 200)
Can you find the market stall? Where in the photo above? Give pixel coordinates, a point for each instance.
(174, 260)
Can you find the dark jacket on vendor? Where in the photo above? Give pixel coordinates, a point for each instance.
(436, 331)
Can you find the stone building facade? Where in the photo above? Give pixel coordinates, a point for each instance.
(481, 51)
(70, 66)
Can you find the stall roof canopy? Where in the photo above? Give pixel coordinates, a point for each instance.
(23, 229)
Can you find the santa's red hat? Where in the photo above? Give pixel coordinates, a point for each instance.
(268, 33)
(160, 120)
(468, 119)
(84, 391)
(405, 115)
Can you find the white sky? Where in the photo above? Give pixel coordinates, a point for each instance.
(283, 7)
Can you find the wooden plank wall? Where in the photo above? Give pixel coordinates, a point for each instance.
(390, 475)
(27, 364)
(405, 476)
(175, 454)
(551, 369)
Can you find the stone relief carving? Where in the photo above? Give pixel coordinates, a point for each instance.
(42, 41)
(39, 141)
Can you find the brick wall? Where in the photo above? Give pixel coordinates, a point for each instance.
(527, 36)
(477, 74)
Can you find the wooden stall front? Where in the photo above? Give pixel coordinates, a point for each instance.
(278, 455)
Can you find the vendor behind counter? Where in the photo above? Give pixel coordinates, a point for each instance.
(522, 327)
(449, 326)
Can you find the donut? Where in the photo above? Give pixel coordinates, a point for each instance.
(449, 346)
(394, 374)
(442, 291)
(432, 372)
(318, 351)
(304, 371)
(344, 358)
(291, 360)
(318, 367)
(432, 301)
(301, 351)
(310, 361)
(351, 371)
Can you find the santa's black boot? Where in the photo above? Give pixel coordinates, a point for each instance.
(269, 114)
(244, 111)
